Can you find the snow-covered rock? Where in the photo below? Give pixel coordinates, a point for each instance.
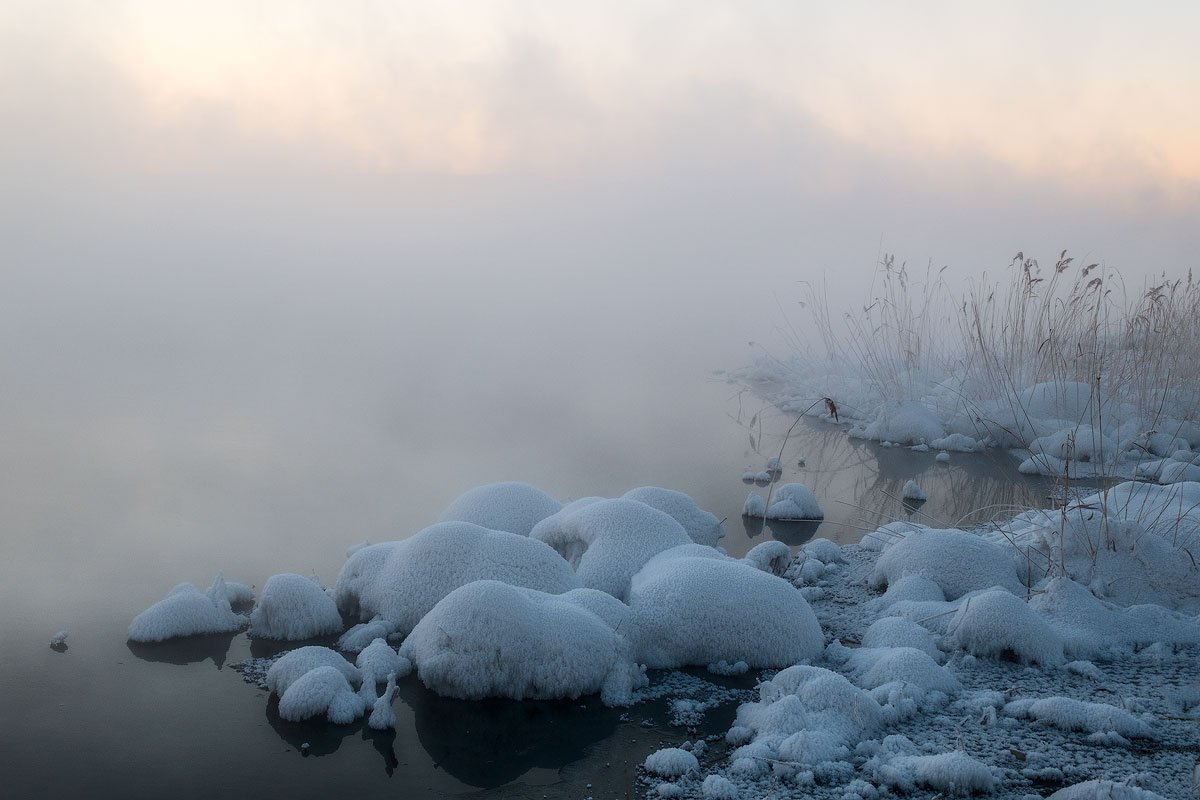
(510, 506)
(321, 691)
(294, 607)
(701, 611)
(490, 639)
(402, 581)
(291, 665)
(671, 762)
(608, 541)
(914, 492)
(996, 622)
(186, 611)
(702, 526)
(794, 501)
(957, 561)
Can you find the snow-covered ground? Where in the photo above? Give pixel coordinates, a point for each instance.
(1052, 649)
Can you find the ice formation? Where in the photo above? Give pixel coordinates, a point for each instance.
(294, 607)
(186, 611)
(490, 639)
(401, 581)
(609, 540)
(511, 506)
(700, 525)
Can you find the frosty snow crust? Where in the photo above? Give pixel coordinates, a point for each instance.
(597, 592)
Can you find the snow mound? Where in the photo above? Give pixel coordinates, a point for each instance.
(914, 492)
(239, 594)
(794, 501)
(900, 765)
(378, 660)
(873, 667)
(608, 541)
(1104, 790)
(911, 587)
(321, 691)
(703, 610)
(824, 550)
(295, 663)
(700, 525)
(1075, 715)
(956, 561)
(362, 634)
(510, 506)
(490, 639)
(755, 506)
(402, 582)
(671, 762)
(996, 622)
(906, 423)
(900, 632)
(770, 556)
(717, 787)
(294, 607)
(186, 611)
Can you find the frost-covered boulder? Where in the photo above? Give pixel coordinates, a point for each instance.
(914, 492)
(794, 501)
(294, 607)
(610, 540)
(321, 691)
(362, 634)
(824, 550)
(901, 632)
(291, 665)
(511, 506)
(378, 660)
(186, 611)
(872, 667)
(900, 764)
(401, 583)
(702, 526)
(239, 594)
(956, 561)
(770, 556)
(916, 588)
(671, 762)
(1104, 790)
(490, 639)
(997, 622)
(702, 611)
(1069, 714)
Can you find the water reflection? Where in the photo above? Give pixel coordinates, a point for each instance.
(185, 650)
(488, 743)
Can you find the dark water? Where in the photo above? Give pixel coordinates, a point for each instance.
(99, 532)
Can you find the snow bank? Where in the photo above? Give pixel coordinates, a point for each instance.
(186, 611)
(294, 607)
(956, 561)
(995, 623)
(321, 691)
(511, 506)
(403, 581)
(490, 639)
(905, 423)
(295, 663)
(610, 540)
(700, 525)
(702, 611)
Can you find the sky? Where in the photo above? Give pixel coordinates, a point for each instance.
(244, 240)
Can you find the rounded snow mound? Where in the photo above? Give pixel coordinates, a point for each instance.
(295, 663)
(610, 540)
(901, 632)
(771, 556)
(702, 526)
(996, 622)
(490, 639)
(186, 611)
(403, 582)
(379, 659)
(794, 501)
(671, 762)
(812, 698)
(873, 667)
(958, 562)
(323, 690)
(906, 423)
(294, 607)
(703, 610)
(1104, 790)
(510, 506)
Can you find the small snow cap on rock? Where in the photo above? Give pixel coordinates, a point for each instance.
(914, 492)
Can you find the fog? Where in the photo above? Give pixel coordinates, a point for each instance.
(218, 332)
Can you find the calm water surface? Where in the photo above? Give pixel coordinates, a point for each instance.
(101, 525)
